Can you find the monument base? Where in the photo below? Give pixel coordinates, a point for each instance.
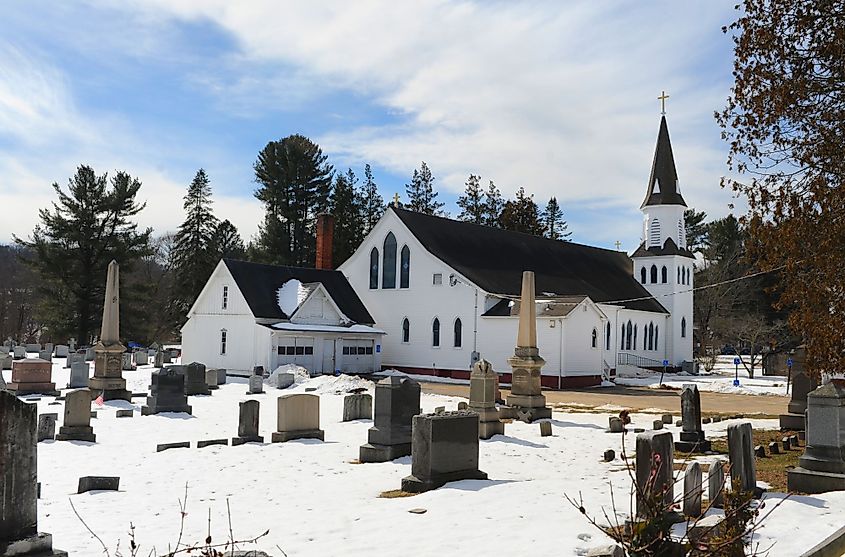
(111, 388)
(282, 436)
(371, 452)
(527, 408)
(76, 433)
(792, 422)
(153, 408)
(39, 545)
(236, 441)
(412, 484)
(693, 446)
(32, 389)
(486, 430)
(810, 481)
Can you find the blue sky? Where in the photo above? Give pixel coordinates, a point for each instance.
(557, 97)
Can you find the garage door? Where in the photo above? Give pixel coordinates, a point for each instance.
(297, 350)
(357, 356)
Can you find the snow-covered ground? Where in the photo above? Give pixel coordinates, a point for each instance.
(720, 380)
(315, 501)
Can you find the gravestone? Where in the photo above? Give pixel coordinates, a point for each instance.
(284, 380)
(692, 437)
(298, 418)
(615, 425)
(657, 425)
(46, 355)
(90, 354)
(33, 348)
(125, 413)
(221, 376)
(195, 379)
(109, 357)
(178, 445)
(667, 418)
(210, 442)
(256, 385)
(692, 490)
(158, 360)
(6, 361)
(167, 393)
(794, 419)
(482, 400)
(397, 401)
(716, 483)
(211, 379)
(126, 362)
(526, 397)
(78, 375)
(61, 351)
(77, 421)
(545, 429)
(741, 454)
(358, 406)
(140, 358)
(463, 405)
(774, 448)
(32, 375)
(98, 483)
(654, 449)
(19, 534)
(47, 426)
(822, 466)
(49, 347)
(74, 358)
(248, 424)
(609, 455)
(71, 345)
(19, 352)
(611, 550)
(444, 449)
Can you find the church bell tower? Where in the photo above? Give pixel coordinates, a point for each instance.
(662, 263)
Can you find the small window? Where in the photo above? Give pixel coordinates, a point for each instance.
(225, 297)
(654, 274)
(309, 350)
(437, 279)
(435, 332)
(388, 273)
(458, 332)
(368, 350)
(345, 350)
(664, 275)
(406, 330)
(643, 274)
(280, 350)
(683, 327)
(594, 339)
(300, 351)
(290, 350)
(223, 342)
(651, 336)
(405, 268)
(374, 268)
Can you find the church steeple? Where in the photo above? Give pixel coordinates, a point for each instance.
(663, 180)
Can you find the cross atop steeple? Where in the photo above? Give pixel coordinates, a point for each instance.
(396, 200)
(662, 98)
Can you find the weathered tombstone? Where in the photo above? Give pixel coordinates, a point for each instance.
(741, 454)
(90, 354)
(667, 418)
(77, 421)
(692, 437)
(545, 429)
(60, 351)
(49, 347)
(526, 394)
(482, 400)
(258, 370)
(167, 393)
(32, 375)
(439, 409)
(654, 451)
(774, 448)
(609, 455)
(19, 352)
(74, 358)
(759, 451)
(126, 362)
(358, 406)
(657, 425)
(298, 418)
(178, 445)
(256, 385)
(19, 534)
(140, 358)
(211, 379)
(822, 466)
(397, 400)
(786, 443)
(284, 380)
(47, 426)
(444, 449)
(793, 420)
(463, 406)
(46, 355)
(195, 379)
(6, 361)
(706, 420)
(98, 483)
(221, 376)
(33, 348)
(716, 483)
(248, 424)
(692, 490)
(616, 425)
(125, 413)
(210, 442)
(158, 360)
(78, 375)
(71, 345)
(109, 358)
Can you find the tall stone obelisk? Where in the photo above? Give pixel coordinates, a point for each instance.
(108, 360)
(526, 398)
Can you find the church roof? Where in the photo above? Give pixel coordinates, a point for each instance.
(663, 180)
(494, 259)
(669, 248)
(260, 285)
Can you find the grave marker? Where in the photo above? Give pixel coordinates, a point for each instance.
(397, 400)
(77, 421)
(298, 418)
(482, 400)
(248, 424)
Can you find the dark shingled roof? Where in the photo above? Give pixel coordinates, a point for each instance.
(494, 260)
(669, 248)
(259, 284)
(663, 173)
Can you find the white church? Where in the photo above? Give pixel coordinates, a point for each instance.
(446, 292)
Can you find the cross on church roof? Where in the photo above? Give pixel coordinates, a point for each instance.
(395, 199)
(618, 245)
(662, 98)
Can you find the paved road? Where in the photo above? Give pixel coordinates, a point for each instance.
(642, 398)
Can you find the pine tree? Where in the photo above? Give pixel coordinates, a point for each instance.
(226, 242)
(348, 217)
(421, 195)
(71, 247)
(696, 230)
(553, 222)
(295, 185)
(194, 255)
(371, 202)
(521, 214)
(472, 201)
(493, 205)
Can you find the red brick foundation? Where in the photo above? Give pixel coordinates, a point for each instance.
(547, 381)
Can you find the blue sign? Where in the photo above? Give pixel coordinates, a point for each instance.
(665, 362)
(736, 382)
(737, 361)
(378, 348)
(789, 362)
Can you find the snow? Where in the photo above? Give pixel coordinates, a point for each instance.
(291, 295)
(327, 328)
(315, 501)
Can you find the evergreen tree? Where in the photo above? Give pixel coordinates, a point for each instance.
(348, 217)
(194, 255)
(696, 230)
(295, 183)
(554, 223)
(421, 195)
(521, 214)
(493, 205)
(71, 248)
(226, 242)
(371, 203)
(472, 201)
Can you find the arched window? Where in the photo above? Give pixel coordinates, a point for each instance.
(654, 233)
(607, 341)
(458, 332)
(223, 342)
(656, 331)
(622, 338)
(689, 275)
(594, 339)
(435, 332)
(679, 275)
(635, 337)
(405, 268)
(664, 275)
(374, 268)
(388, 273)
(682, 237)
(651, 336)
(406, 330)
(628, 332)
(654, 274)
(643, 274)
(683, 327)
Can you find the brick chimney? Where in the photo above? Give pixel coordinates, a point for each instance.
(325, 235)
